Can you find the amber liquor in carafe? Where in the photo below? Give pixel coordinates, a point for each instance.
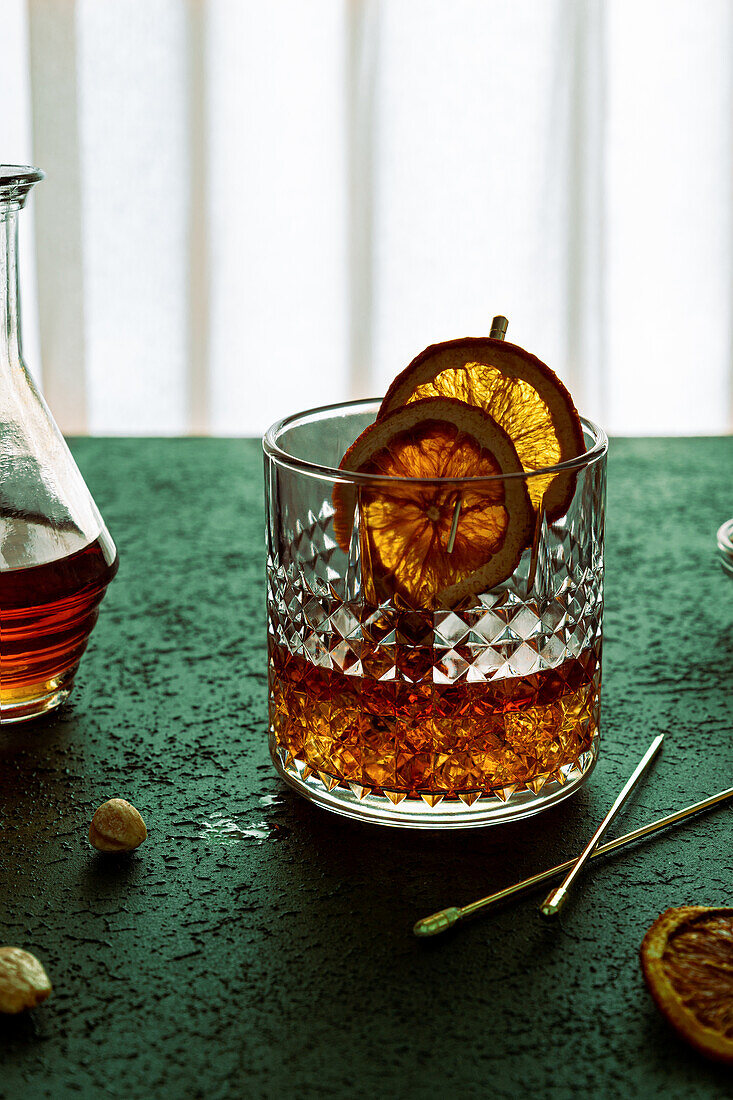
(47, 613)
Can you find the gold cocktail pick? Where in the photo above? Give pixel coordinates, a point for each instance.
(555, 900)
(498, 328)
(454, 526)
(446, 918)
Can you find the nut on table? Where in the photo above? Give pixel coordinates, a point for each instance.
(23, 981)
(117, 827)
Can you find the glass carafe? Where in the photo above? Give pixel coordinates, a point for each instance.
(56, 555)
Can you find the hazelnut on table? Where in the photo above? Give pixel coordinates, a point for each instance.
(117, 827)
(23, 981)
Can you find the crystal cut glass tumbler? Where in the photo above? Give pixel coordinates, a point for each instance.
(480, 713)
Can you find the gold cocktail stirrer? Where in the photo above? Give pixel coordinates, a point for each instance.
(498, 331)
(446, 918)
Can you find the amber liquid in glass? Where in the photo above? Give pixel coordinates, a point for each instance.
(47, 613)
(430, 740)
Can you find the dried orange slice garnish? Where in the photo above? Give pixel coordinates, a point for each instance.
(405, 526)
(687, 959)
(520, 392)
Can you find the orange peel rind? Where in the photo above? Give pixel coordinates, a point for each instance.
(687, 961)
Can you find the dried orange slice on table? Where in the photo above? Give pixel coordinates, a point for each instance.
(687, 959)
(518, 391)
(411, 546)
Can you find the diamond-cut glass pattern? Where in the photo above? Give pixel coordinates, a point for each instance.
(489, 704)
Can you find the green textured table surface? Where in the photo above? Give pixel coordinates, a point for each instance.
(258, 946)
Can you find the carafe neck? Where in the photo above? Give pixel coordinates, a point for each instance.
(10, 338)
(15, 184)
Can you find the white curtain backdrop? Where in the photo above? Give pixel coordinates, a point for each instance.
(252, 208)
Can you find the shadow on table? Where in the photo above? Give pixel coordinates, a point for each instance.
(39, 762)
(679, 1061)
(411, 873)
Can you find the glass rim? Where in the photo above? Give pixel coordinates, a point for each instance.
(16, 181)
(273, 450)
